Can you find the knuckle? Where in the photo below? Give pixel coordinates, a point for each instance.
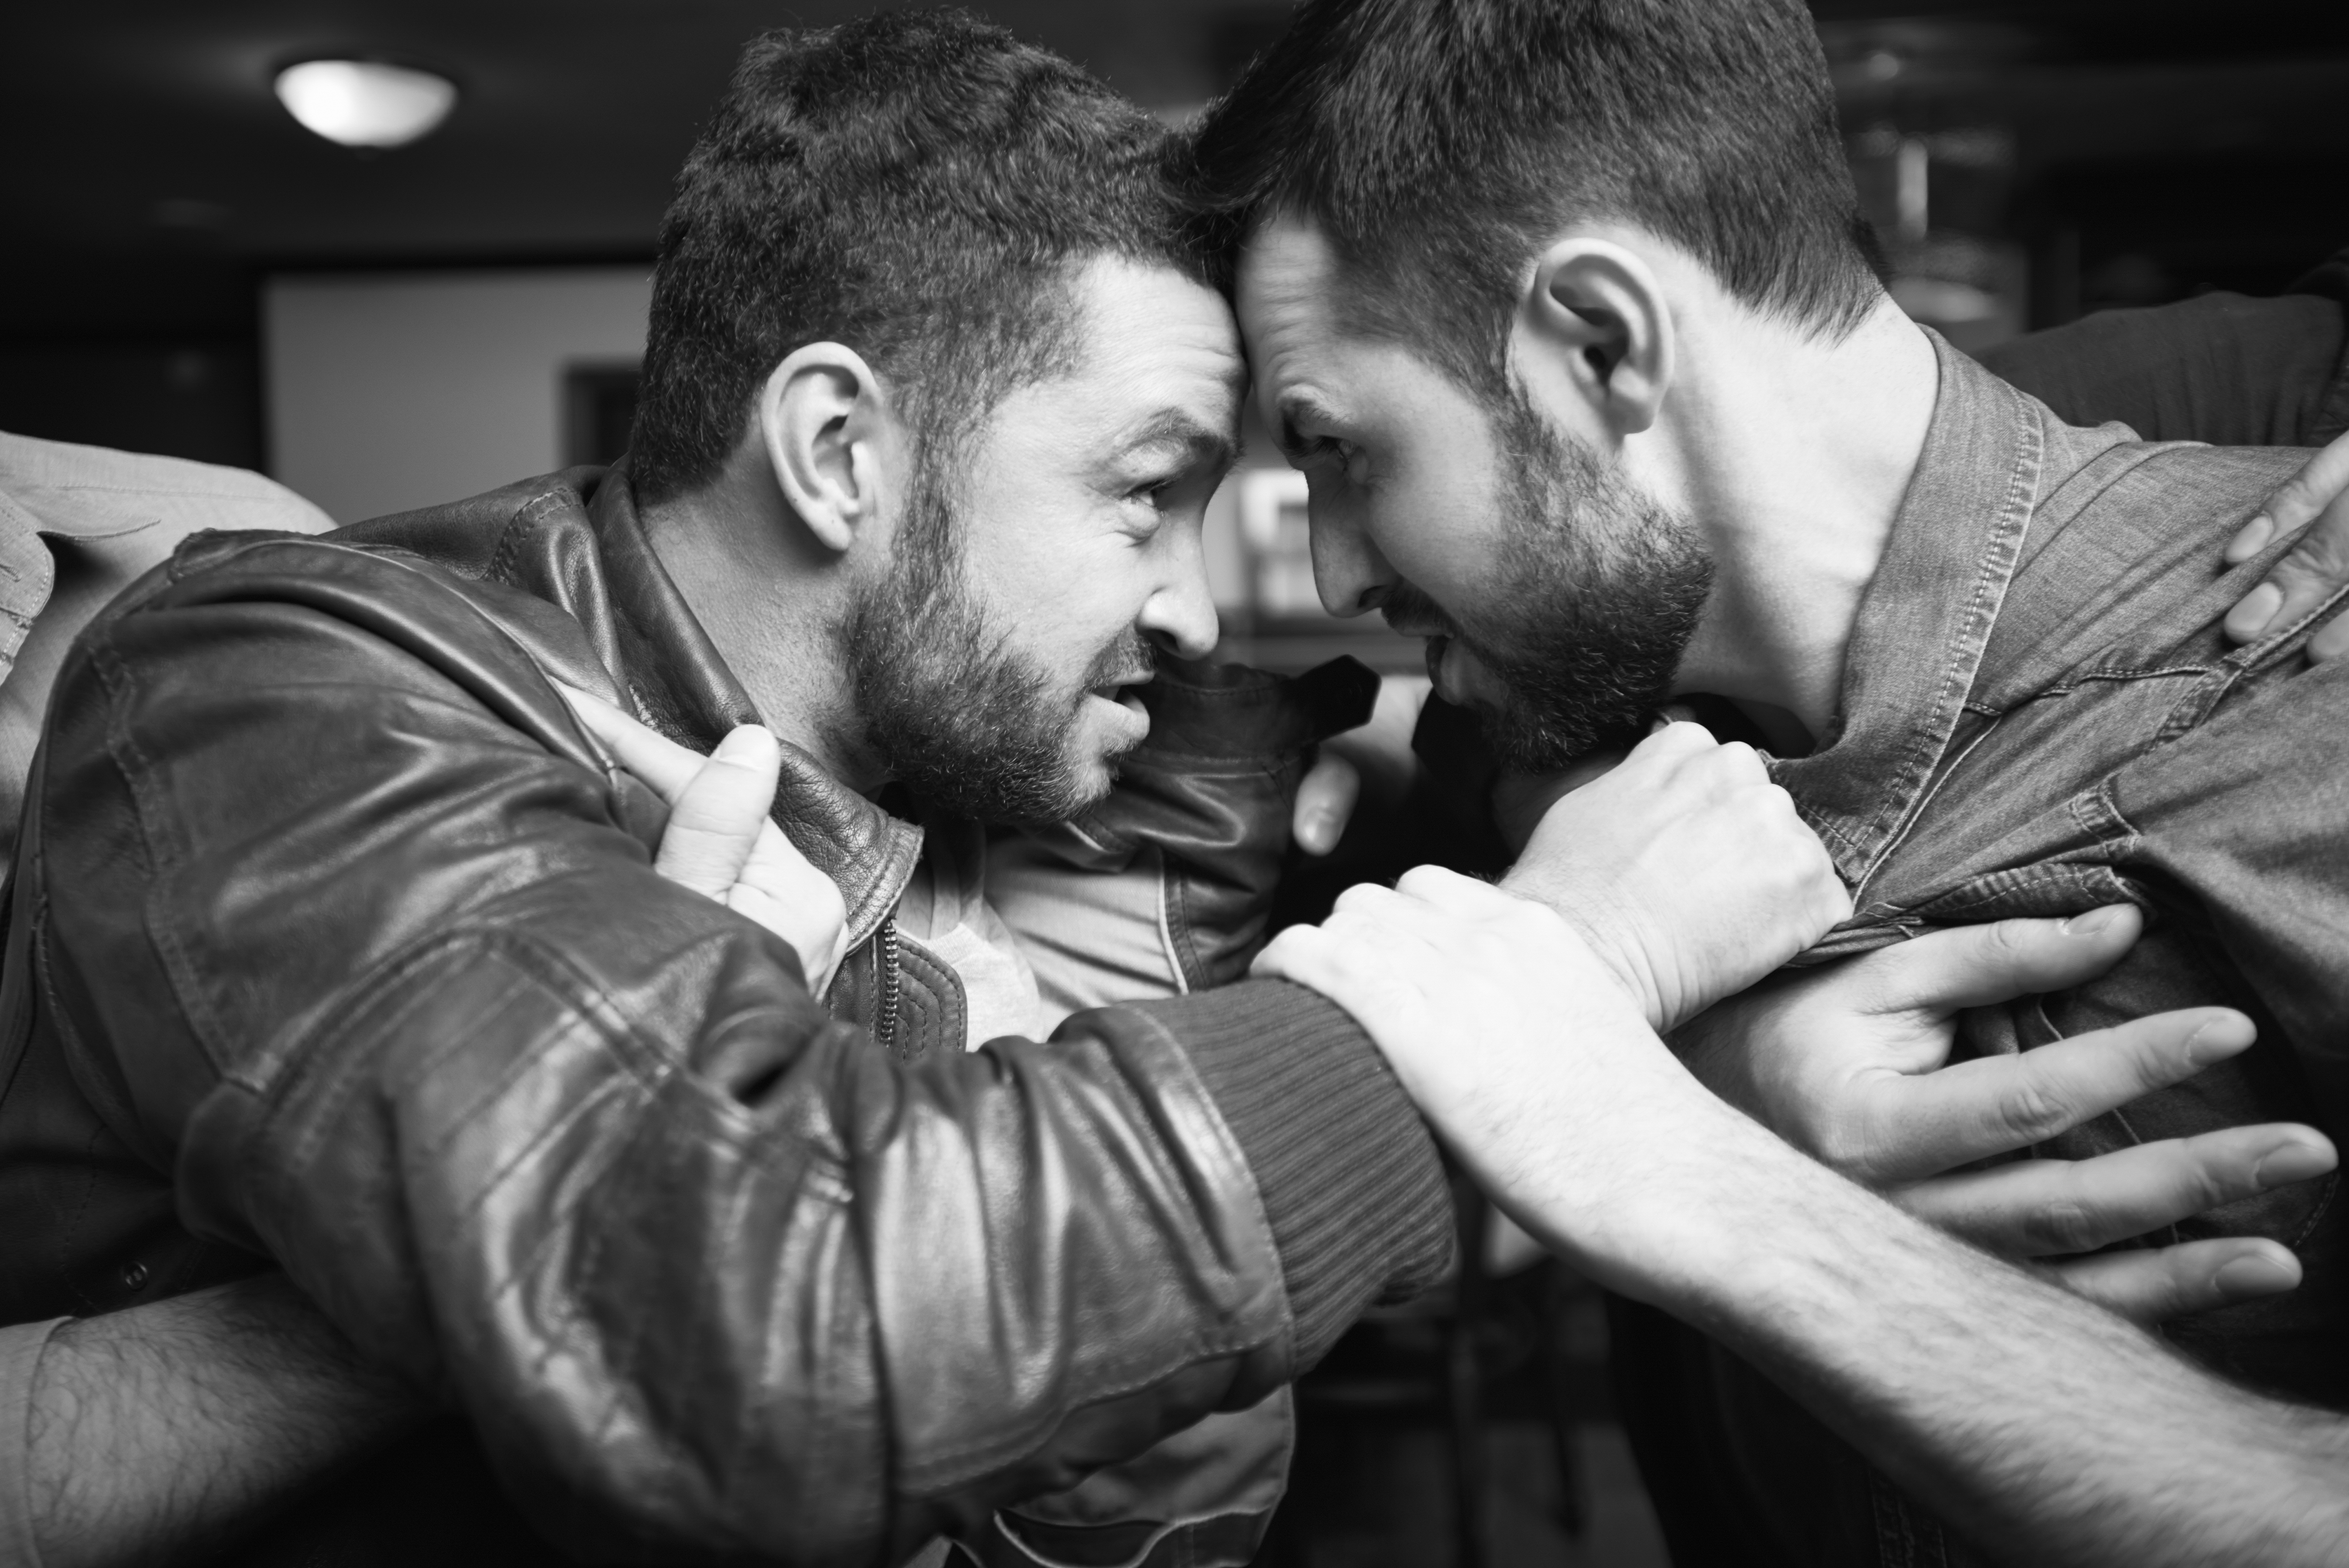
(2029, 1111)
(2008, 949)
(2320, 559)
(1421, 880)
(2060, 1226)
(1740, 760)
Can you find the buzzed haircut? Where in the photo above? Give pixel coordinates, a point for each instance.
(1438, 144)
(917, 186)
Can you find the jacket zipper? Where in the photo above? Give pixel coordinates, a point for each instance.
(886, 1026)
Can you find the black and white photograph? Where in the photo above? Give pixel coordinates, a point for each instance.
(1174, 784)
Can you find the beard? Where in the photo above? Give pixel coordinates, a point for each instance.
(1586, 627)
(944, 702)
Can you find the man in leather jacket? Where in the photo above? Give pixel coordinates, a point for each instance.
(743, 1245)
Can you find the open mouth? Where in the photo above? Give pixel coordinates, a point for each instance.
(1121, 688)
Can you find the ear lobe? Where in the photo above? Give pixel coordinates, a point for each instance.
(1594, 323)
(821, 414)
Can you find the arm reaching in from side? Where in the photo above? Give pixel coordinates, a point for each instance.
(2046, 1428)
(159, 1434)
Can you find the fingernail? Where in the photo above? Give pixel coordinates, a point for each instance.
(745, 741)
(2253, 539)
(2253, 1276)
(2094, 921)
(2215, 1041)
(2249, 618)
(2292, 1162)
(1316, 831)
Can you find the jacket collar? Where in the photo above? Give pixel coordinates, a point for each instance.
(577, 541)
(1926, 617)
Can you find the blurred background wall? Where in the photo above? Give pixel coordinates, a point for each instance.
(390, 390)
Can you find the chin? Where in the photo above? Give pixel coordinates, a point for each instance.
(1094, 774)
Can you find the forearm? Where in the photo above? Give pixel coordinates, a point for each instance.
(2046, 1428)
(157, 1434)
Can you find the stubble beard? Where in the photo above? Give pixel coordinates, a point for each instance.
(944, 702)
(1600, 592)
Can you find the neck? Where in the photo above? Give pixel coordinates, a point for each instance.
(767, 595)
(1791, 455)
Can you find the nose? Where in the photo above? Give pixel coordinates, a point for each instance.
(1349, 573)
(1180, 617)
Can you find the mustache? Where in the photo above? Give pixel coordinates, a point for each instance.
(1409, 610)
(1127, 661)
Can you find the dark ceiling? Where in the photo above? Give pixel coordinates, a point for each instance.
(150, 164)
(152, 177)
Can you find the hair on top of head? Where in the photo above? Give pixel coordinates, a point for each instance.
(916, 185)
(1437, 144)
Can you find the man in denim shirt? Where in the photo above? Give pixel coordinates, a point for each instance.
(1563, 310)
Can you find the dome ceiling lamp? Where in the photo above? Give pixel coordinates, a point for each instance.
(366, 103)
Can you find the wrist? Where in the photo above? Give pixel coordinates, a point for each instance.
(1601, 928)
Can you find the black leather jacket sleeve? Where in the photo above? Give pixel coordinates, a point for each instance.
(341, 920)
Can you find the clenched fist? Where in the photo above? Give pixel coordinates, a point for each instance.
(1533, 1064)
(1687, 871)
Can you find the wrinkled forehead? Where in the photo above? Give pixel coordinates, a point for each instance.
(1309, 353)
(1284, 291)
(1153, 351)
(1149, 332)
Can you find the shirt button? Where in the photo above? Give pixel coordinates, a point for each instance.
(135, 1275)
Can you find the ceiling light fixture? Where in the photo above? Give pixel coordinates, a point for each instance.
(366, 103)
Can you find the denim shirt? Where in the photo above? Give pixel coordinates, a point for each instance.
(2040, 715)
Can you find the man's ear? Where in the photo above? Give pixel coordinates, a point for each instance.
(1593, 327)
(828, 435)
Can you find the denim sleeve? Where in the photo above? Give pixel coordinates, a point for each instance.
(21, 1345)
(2250, 810)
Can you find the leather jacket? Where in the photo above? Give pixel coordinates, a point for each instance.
(335, 941)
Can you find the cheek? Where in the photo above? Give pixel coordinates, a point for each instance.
(1064, 606)
(1439, 538)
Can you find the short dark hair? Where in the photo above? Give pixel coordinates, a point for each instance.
(914, 184)
(1437, 143)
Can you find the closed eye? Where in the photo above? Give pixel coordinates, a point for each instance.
(1315, 451)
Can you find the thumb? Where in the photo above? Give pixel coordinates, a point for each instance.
(1325, 803)
(1974, 965)
(715, 820)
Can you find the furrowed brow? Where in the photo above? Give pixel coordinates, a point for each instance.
(1174, 427)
